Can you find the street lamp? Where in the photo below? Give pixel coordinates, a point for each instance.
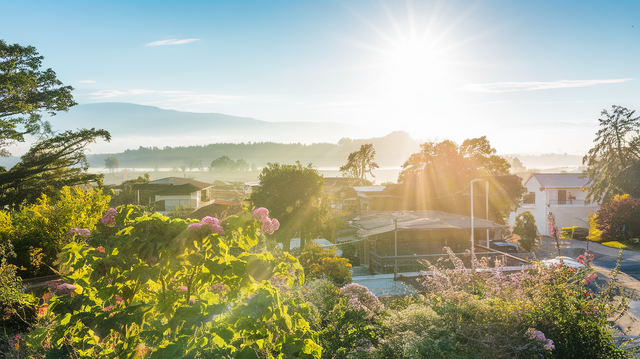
(473, 242)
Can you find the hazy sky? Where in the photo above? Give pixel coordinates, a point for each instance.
(531, 75)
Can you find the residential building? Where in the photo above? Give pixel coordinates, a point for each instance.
(558, 193)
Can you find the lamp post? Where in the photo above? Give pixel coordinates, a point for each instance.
(473, 242)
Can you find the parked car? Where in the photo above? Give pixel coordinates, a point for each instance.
(504, 246)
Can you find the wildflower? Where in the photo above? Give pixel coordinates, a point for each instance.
(119, 299)
(590, 278)
(100, 249)
(539, 336)
(110, 281)
(192, 301)
(79, 231)
(109, 218)
(106, 309)
(183, 288)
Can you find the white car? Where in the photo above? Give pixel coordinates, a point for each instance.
(568, 261)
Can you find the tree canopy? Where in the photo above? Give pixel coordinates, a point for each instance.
(25, 92)
(56, 159)
(360, 162)
(613, 164)
(292, 194)
(438, 178)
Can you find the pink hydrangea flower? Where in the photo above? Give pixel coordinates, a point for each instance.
(209, 220)
(194, 225)
(261, 214)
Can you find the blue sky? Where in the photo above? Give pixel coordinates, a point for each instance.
(532, 76)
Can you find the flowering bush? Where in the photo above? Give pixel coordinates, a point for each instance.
(164, 291)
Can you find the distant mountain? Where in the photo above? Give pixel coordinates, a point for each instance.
(136, 125)
(392, 150)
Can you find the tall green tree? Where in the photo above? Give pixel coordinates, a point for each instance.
(292, 195)
(56, 159)
(438, 178)
(111, 163)
(613, 164)
(360, 162)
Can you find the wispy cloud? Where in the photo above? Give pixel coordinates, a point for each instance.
(537, 85)
(171, 42)
(86, 81)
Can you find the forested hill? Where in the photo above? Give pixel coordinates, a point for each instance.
(391, 151)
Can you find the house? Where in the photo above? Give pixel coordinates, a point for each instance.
(557, 193)
(385, 238)
(171, 192)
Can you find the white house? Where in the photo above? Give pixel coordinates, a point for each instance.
(175, 191)
(557, 193)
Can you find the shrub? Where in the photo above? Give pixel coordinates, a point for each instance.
(319, 262)
(40, 230)
(574, 233)
(525, 227)
(595, 235)
(619, 218)
(157, 287)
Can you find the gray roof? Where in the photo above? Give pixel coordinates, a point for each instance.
(377, 222)
(559, 180)
(177, 181)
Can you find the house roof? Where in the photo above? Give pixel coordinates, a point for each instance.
(559, 180)
(378, 222)
(176, 181)
(369, 188)
(187, 188)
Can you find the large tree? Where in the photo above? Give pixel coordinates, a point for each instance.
(292, 195)
(613, 164)
(360, 162)
(56, 159)
(438, 178)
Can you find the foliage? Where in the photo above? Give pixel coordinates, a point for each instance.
(613, 164)
(55, 160)
(437, 177)
(595, 235)
(127, 194)
(26, 91)
(292, 193)
(224, 163)
(157, 289)
(39, 231)
(181, 212)
(574, 232)
(619, 218)
(350, 322)
(360, 162)
(48, 166)
(111, 163)
(525, 227)
(320, 262)
(496, 314)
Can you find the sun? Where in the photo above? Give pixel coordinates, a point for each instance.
(413, 52)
